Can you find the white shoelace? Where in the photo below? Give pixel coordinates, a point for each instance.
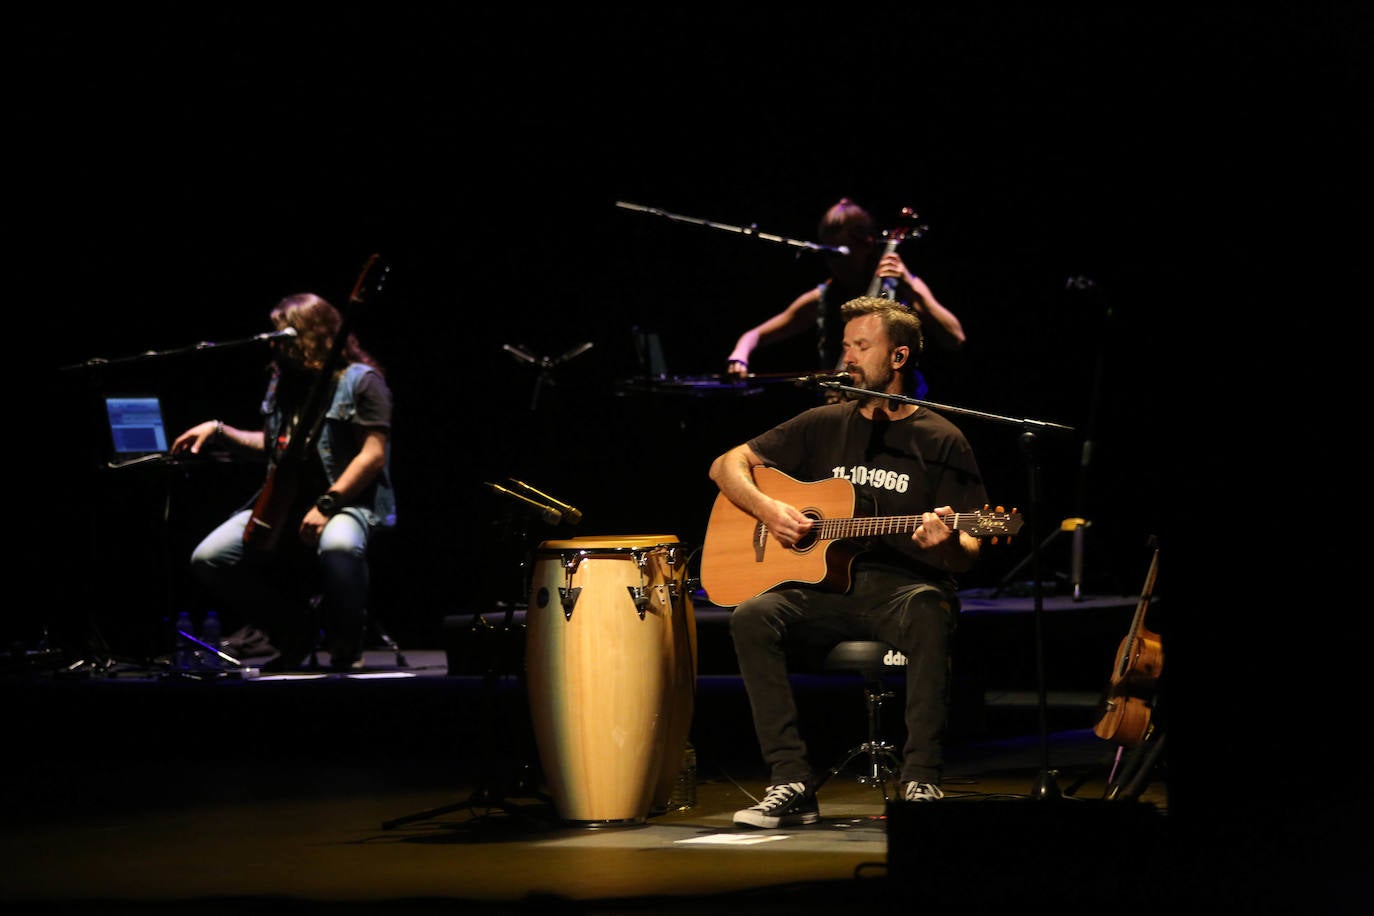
(778, 794)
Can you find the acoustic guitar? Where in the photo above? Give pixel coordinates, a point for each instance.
(1126, 708)
(278, 497)
(740, 559)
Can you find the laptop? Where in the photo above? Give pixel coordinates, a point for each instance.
(649, 351)
(137, 430)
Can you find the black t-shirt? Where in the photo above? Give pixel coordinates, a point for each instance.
(902, 467)
(372, 399)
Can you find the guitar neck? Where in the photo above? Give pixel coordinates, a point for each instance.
(829, 529)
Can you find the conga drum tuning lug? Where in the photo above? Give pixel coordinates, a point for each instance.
(641, 600)
(568, 598)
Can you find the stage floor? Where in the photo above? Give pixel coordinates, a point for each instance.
(409, 788)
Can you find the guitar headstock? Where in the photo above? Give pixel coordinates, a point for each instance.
(370, 282)
(998, 524)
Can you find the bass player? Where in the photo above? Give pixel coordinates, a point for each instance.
(326, 435)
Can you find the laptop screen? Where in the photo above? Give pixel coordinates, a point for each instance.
(136, 426)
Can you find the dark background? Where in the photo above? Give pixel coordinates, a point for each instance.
(173, 173)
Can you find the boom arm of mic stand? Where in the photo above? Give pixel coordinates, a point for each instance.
(189, 348)
(740, 230)
(1024, 423)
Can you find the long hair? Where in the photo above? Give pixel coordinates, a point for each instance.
(316, 323)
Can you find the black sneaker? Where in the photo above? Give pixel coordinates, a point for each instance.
(783, 806)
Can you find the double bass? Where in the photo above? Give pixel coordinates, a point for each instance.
(1128, 702)
(886, 287)
(277, 499)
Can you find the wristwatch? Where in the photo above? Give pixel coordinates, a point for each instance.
(328, 504)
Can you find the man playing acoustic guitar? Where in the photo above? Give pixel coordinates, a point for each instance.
(326, 434)
(907, 462)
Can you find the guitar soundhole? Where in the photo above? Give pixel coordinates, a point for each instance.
(808, 540)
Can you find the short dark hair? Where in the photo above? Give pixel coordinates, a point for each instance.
(902, 324)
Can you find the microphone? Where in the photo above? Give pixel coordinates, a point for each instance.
(569, 514)
(549, 514)
(271, 335)
(822, 378)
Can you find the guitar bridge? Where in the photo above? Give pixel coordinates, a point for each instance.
(760, 540)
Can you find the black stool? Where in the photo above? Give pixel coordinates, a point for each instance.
(873, 660)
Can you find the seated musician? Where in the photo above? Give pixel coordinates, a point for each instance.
(308, 529)
(857, 272)
(910, 462)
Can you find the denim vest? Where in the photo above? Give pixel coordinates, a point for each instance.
(336, 443)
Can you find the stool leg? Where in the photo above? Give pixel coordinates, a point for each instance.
(883, 763)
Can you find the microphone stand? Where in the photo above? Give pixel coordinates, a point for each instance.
(96, 361)
(751, 231)
(96, 365)
(546, 365)
(1045, 788)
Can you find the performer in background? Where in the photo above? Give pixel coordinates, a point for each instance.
(340, 496)
(851, 275)
(909, 461)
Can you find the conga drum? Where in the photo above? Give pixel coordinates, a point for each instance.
(683, 694)
(605, 674)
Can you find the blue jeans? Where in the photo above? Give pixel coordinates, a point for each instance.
(915, 618)
(262, 588)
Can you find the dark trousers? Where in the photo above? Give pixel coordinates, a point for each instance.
(916, 618)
